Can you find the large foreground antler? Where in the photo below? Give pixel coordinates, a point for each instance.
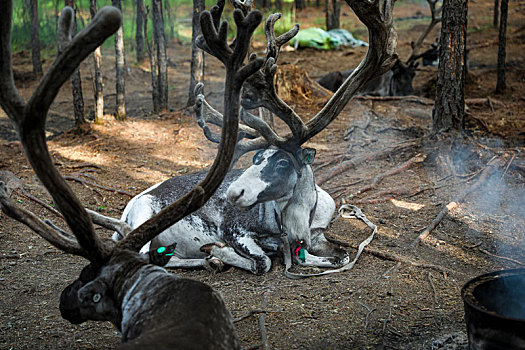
(29, 121)
(259, 89)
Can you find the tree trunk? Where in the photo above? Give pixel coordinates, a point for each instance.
(279, 5)
(197, 55)
(76, 82)
(120, 113)
(300, 4)
(35, 42)
(449, 108)
(152, 60)
(139, 37)
(500, 84)
(162, 64)
(333, 11)
(496, 15)
(97, 76)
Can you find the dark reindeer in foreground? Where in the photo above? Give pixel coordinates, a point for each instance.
(242, 223)
(152, 308)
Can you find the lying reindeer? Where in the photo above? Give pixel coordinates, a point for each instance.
(243, 222)
(396, 82)
(152, 308)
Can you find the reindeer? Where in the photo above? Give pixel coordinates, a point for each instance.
(243, 222)
(153, 309)
(398, 80)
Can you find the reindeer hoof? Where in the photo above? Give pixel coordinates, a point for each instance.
(214, 265)
(208, 247)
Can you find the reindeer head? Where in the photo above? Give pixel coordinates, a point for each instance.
(282, 160)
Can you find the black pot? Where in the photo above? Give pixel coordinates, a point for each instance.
(495, 310)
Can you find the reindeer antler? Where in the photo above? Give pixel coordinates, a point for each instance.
(232, 56)
(259, 89)
(435, 19)
(29, 121)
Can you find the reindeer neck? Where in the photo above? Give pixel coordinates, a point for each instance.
(295, 212)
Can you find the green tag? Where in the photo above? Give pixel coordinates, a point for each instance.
(161, 250)
(302, 256)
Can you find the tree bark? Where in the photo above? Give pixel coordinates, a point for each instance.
(449, 107)
(496, 15)
(35, 42)
(332, 11)
(300, 4)
(197, 55)
(76, 82)
(139, 37)
(501, 84)
(120, 113)
(162, 64)
(97, 75)
(152, 60)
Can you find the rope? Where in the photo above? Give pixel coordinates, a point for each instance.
(346, 211)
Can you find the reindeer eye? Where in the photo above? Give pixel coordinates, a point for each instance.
(283, 163)
(258, 157)
(96, 297)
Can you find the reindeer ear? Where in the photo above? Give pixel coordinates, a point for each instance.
(308, 155)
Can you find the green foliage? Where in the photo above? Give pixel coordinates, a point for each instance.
(177, 22)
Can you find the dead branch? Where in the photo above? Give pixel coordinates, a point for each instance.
(418, 158)
(248, 314)
(491, 167)
(484, 101)
(89, 183)
(348, 164)
(262, 327)
(436, 301)
(369, 312)
(500, 257)
(42, 203)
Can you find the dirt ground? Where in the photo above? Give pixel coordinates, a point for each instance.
(397, 296)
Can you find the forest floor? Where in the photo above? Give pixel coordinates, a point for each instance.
(398, 296)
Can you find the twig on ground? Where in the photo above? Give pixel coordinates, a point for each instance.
(10, 256)
(89, 183)
(389, 310)
(42, 203)
(262, 327)
(418, 158)
(394, 267)
(500, 257)
(369, 312)
(436, 301)
(248, 314)
(491, 167)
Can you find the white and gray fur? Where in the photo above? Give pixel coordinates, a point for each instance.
(238, 225)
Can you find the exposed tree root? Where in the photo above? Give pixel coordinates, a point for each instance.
(500, 257)
(492, 166)
(418, 158)
(411, 98)
(89, 183)
(348, 164)
(394, 257)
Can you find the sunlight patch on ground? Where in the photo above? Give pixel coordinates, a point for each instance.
(406, 205)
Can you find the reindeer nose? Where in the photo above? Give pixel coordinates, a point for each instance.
(236, 198)
(235, 194)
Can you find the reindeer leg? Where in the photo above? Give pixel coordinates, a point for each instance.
(322, 261)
